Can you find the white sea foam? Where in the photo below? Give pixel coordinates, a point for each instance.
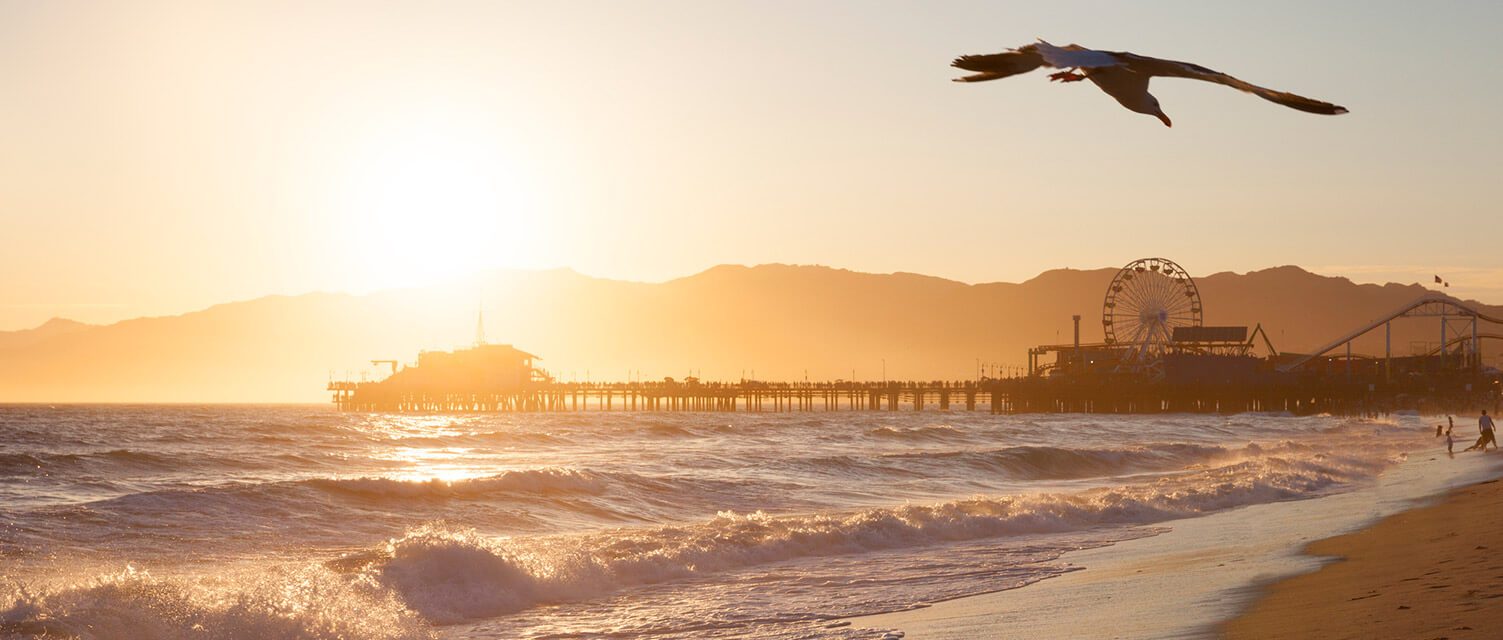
(310, 604)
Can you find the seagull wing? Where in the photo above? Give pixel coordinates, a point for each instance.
(1074, 56)
(993, 66)
(1175, 69)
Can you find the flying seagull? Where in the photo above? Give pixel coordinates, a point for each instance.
(1120, 74)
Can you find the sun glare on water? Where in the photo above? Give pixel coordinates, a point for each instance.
(442, 465)
(441, 474)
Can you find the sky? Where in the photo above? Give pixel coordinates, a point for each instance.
(161, 157)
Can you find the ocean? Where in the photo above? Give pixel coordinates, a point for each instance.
(303, 522)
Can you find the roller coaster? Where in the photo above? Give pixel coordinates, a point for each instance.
(1152, 321)
(1459, 332)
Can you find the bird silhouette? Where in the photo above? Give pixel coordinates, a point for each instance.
(1122, 75)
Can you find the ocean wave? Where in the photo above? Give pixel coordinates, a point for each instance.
(46, 462)
(541, 482)
(125, 462)
(11, 462)
(1056, 463)
(1379, 426)
(484, 438)
(450, 575)
(307, 604)
(516, 496)
(938, 432)
(669, 431)
(1032, 462)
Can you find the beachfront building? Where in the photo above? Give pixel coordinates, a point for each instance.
(483, 377)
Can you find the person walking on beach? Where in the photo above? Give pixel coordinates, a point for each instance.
(1485, 425)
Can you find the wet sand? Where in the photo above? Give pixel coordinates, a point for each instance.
(1431, 572)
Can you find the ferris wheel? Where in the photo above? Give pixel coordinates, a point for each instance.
(1146, 300)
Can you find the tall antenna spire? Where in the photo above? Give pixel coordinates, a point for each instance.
(479, 326)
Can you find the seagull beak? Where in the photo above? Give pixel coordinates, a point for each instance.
(1164, 118)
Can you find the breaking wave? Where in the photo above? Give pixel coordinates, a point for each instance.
(450, 575)
(309, 604)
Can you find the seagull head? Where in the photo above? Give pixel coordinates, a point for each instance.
(1155, 110)
(1146, 104)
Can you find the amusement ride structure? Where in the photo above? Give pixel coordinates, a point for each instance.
(1151, 311)
(1146, 302)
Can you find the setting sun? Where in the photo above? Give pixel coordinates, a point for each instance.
(422, 199)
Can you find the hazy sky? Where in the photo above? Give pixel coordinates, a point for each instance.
(163, 156)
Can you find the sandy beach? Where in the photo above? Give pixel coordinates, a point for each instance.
(1431, 572)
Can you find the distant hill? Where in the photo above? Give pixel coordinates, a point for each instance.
(771, 321)
(49, 329)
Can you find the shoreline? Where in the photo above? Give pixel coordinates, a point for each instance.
(1201, 575)
(1431, 571)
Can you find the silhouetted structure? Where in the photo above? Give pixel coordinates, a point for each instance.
(1300, 395)
(499, 377)
(1157, 357)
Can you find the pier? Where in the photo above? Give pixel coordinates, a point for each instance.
(1298, 396)
(753, 396)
